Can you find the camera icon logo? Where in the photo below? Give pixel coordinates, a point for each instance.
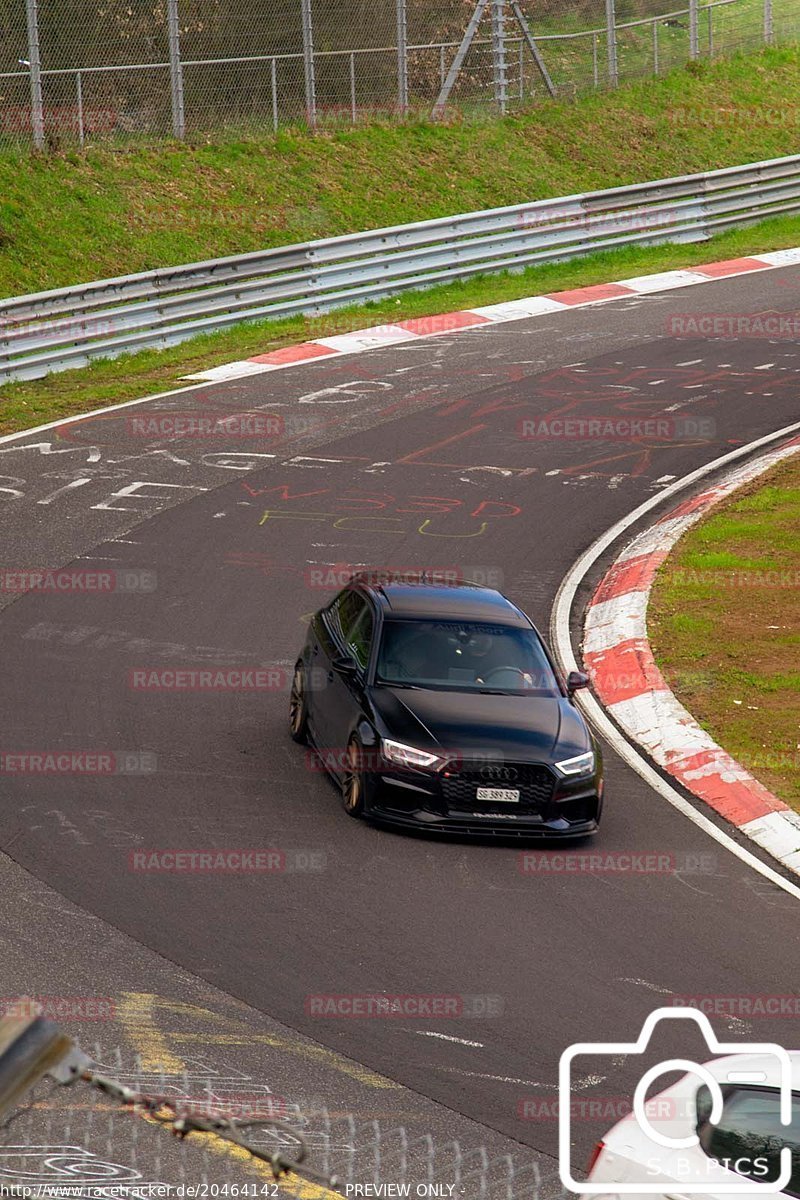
(780, 1080)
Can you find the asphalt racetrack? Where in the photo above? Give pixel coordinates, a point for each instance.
(410, 457)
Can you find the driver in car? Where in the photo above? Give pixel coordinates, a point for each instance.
(487, 655)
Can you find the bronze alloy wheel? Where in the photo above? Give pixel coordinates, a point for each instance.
(353, 782)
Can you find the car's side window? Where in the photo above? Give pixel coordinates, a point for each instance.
(351, 619)
(750, 1134)
(359, 641)
(343, 614)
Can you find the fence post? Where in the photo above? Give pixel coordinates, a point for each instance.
(353, 106)
(611, 36)
(308, 63)
(35, 68)
(499, 54)
(79, 98)
(175, 71)
(694, 39)
(402, 58)
(655, 47)
(30, 1047)
(769, 29)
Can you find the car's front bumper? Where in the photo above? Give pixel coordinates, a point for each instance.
(417, 800)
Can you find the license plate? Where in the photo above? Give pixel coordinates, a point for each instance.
(504, 795)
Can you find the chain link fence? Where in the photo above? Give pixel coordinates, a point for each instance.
(78, 70)
(96, 1126)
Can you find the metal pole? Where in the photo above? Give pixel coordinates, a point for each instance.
(35, 66)
(611, 36)
(521, 66)
(655, 47)
(595, 70)
(499, 54)
(274, 80)
(458, 61)
(352, 88)
(402, 58)
(769, 29)
(694, 39)
(79, 93)
(308, 63)
(30, 1047)
(441, 66)
(176, 71)
(710, 12)
(534, 49)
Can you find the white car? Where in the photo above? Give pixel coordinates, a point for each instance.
(743, 1146)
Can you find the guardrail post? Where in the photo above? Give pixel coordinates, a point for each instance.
(176, 71)
(402, 58)
(694, 39)
(34, 65)
(769, 28)
(499, 54)
(308, 63)
(611, 37)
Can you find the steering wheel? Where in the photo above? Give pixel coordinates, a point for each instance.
(516, 671)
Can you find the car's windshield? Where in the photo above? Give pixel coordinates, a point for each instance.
(464, 656)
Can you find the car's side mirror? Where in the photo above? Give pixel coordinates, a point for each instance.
(576, 680)
(346, 666)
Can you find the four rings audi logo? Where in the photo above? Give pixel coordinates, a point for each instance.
(500, 774)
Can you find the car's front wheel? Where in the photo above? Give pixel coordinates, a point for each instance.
(298, 706)
(354, 782)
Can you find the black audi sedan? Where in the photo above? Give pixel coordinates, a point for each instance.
(436, 706)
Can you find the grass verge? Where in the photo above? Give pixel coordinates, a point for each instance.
(23, 405)
(115, 209)
(724, 622)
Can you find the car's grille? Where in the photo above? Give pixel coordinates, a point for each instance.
(534, 782)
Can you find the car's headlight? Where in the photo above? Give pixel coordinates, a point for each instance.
(408, 756)
(583, 764)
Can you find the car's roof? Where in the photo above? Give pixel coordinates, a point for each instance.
(767, 1066)
(448, 602)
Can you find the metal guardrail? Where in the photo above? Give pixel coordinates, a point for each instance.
(69, 327)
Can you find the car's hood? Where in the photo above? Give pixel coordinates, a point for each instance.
(530, 728)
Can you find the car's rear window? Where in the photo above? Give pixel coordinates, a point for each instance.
(465, 656)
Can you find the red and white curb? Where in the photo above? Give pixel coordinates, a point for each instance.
(617, 655)
(378, 336)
